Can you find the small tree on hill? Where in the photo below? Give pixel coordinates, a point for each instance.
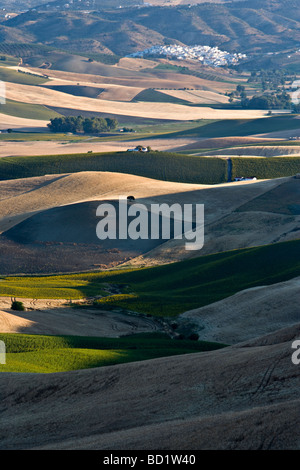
(15, 305)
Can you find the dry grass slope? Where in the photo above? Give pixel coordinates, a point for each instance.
(247, 314)
(237, 215)
(241, 397)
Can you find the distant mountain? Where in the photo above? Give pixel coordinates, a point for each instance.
(247, 26)
(13, 5)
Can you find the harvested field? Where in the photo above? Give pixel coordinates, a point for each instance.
(46, 97)
(237, 215)
(270, 217)
(122, 119)
(248, 314)
(221, 142)
(69, 248)
(259, 151)
(286, 134)
(240, 397)
(77, 90)
(163, 79)
(54, 317)
(197, 96)
(64, 239)
(119, 93)
(10, 149)
(26, 196)
(130, 63)
(7, 121)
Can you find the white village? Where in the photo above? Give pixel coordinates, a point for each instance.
(207, 55)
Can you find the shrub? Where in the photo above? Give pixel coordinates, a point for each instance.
(15, 305)
(194, 337)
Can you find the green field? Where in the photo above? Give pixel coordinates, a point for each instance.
(169, 127)
(158, 165)
(28, 111)
(8, 61)
(265, 167)
(48, 354)
(9, 75)
(170, 289)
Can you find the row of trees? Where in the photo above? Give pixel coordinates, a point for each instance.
(93, 125)
(271, 79)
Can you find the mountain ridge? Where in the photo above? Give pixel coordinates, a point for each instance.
(236, 27)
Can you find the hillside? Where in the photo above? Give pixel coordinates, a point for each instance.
(237, 26)
(139, 339)
(237, 216)
(247, 314)
(241, 397)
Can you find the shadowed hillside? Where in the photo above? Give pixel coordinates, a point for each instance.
(237, 26)
(241, 397)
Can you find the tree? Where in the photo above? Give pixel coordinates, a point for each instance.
(231, 96)
(74, 124)
(240, 89)
(15, 305)
(296, 108)
(112, 123)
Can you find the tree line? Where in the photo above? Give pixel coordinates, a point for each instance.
(268, 101)
(92, 125)
(271, 79)
(275, 100)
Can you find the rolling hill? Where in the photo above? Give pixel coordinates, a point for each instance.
(247, 314)
(241, 397)
(235, 26)
(236, 216)
(139, 343)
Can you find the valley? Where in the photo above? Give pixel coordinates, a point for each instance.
(127, 343)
